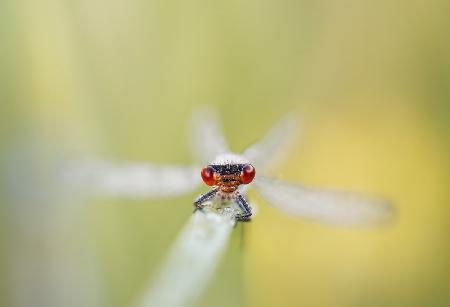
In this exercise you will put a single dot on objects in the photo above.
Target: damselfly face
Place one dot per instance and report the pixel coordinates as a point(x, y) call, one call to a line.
point(228, 174)
point(228, 177)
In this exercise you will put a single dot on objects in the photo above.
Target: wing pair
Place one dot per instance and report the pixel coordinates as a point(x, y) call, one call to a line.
point(208, 141)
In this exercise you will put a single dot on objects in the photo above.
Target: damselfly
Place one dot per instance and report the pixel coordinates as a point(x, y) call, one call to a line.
point(230, 174)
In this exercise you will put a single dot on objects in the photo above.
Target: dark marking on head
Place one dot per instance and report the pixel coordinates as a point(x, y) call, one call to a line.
point(228, 169)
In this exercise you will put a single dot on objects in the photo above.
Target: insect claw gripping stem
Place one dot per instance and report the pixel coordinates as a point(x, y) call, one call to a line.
point(240, 200)
point(204, 197)
point(245, 207)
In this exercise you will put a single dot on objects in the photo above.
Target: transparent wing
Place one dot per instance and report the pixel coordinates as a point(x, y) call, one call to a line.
point(329, 206)
point(207, 139)
point(274, 145)
point(121, 179)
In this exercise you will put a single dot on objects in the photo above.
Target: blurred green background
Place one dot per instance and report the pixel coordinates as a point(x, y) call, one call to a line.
point(118, 79)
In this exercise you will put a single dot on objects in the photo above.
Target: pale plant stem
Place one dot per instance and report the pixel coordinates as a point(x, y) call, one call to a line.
point(191, 261)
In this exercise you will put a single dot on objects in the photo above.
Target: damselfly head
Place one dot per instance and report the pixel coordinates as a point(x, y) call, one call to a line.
point(228, 176)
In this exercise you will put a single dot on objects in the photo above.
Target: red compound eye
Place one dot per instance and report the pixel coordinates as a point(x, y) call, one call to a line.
point(247, 174)
point(208, 175)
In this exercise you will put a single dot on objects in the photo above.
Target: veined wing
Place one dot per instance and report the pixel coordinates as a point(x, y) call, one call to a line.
point(329, 206)
point(274, 145)
point(207, 137)
point(105, 178)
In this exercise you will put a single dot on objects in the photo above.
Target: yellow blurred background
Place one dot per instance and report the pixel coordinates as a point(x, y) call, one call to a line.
point(118, 79)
